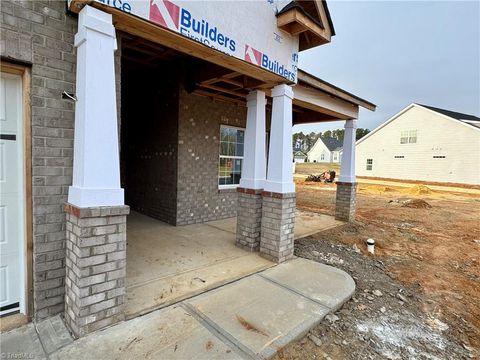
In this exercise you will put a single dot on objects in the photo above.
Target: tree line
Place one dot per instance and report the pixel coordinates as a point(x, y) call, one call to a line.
point(305, 142)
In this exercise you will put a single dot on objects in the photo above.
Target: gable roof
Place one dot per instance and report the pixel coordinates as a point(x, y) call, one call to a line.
point(308, 8)
point(331, 143)
point(309, 19)
point(453, 114)
point(474, 122)
point(299, 153)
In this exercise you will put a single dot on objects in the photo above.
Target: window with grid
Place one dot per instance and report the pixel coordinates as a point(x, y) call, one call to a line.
point(231, 156)
point(412, 137)
point(408, 137)
point(369, 164)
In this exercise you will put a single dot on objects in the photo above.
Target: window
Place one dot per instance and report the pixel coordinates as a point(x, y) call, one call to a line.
point(412, 137)
point(335, 157)
point(369, 164)
point(408, 137)
point(231, 156)
point(322, 157)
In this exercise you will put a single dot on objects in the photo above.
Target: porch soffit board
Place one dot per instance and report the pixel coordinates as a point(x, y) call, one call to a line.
point(135, 25)
point(316, 83)
point(324, 103)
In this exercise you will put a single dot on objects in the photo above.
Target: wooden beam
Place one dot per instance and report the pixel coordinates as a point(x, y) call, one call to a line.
point(231, 82)
point(219, 96)
point(310, 117)
point(323, 103)
point(296, 21)
point(222, 90)
point(333, 90)
point(150, 31)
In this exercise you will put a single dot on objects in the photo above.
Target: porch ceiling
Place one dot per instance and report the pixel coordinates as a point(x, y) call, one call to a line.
point(314, 100)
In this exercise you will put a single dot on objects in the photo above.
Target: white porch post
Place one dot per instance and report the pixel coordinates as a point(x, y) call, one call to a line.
point(254, 163)
point(249, 210)
point(279, 175)
point(96, 214)
point(347, 167)
point(96, 165)
point(278, 207)
point(346, 197)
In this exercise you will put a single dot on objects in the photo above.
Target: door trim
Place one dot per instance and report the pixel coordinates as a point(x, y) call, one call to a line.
point(25, 73)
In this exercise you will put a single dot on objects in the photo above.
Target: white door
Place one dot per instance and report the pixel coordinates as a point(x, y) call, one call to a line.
point(11, 195)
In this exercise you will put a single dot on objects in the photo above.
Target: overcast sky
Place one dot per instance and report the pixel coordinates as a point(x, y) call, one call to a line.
point(395, 53)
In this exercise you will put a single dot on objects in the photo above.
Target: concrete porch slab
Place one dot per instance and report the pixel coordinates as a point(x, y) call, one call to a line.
point(306, 223)
point(166, 264)
point(249, 319)
point(258, 315)
point(170, 333)
point(22, 342)
point(53, 334)
point(333, 288)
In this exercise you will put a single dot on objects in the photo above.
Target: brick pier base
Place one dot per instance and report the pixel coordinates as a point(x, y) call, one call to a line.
point(278, 221)
point(95, 267)
point(346, 201)
point(249, 218)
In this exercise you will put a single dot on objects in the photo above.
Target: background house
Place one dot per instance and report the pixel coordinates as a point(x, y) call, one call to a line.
point(327, 149)
point(299, 156)
point(423, 143)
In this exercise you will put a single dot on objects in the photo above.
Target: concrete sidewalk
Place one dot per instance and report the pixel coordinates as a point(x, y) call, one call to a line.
point(251, 318)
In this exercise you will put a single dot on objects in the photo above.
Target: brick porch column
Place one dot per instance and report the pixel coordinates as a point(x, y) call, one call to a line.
point(346, 197)
point(278, 208)
point(249, 208)
point(96, 214)
point(95, 267)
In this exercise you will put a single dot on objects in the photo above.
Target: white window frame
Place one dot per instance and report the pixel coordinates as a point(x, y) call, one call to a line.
point(369, 164)
point(228, 186)
point(322, 157)
point(412, 135)
point(408, 137)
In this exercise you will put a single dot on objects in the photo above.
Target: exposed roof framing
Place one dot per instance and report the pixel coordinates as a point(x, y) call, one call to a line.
point(310, 20)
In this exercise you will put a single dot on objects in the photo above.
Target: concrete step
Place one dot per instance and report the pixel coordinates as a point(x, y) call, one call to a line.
point(251, 318)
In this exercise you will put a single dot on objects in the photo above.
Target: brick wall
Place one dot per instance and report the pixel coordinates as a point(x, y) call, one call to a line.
point(149, 140)
point(95, 267)
point(40, 33)
point(198, 196)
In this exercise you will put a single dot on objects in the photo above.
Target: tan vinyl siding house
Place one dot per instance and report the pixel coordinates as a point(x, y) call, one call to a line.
point(423, 143)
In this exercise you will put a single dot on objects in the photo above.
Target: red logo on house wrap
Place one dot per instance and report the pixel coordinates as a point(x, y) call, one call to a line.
point(252, 55)
point(165, 13)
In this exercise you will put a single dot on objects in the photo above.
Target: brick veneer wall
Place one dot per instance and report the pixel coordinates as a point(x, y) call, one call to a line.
point(40, 33)
point(149, 140)
point(198, 196)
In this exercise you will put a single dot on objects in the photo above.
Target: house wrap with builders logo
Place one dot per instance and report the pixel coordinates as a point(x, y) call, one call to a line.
point(275, 51)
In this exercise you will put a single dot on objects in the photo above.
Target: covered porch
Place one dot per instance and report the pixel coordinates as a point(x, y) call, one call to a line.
point(167, 264)
point(118, 268)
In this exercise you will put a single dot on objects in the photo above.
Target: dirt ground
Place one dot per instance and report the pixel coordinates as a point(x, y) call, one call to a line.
point(418, 297)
